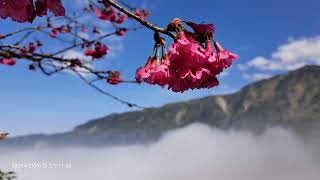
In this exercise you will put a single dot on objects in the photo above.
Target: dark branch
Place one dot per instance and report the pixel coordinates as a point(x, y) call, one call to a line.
point(142, 21)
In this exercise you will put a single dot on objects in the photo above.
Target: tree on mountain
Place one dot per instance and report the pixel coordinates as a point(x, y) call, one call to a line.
point(7, 175)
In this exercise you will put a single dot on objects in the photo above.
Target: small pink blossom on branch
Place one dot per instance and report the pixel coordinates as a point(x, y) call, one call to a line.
point(98, 51)
point(121, 31)
point(143, 14)
point(61, 29)
point(114, 78)
point(109, 14)
point(8, 61)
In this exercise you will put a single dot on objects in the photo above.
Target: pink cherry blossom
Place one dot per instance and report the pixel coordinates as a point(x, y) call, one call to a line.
point(183, 68)
point(99, 51)
point(137, 12)
point(109, 14)
point(185, 56)
point(191, 63)
point(121, 32)
point(8, 61)
point(158, 73)
point(174, 22)
point(55, 6)
point(188, 65)
point(32, 47)
point(174, 25)
point(53, 33)
point(75, 62)
point(224, 56)
point(141, 13)
point(121, 18)
point(114, 78)
point(24, 10)
point(63, 29)
point(154, 72)
point(106, 15)
point(83, 29)
point(19, 10)
point(201, 28)
point(143, 73)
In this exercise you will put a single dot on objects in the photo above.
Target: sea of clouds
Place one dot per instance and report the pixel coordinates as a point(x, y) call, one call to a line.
point(196, 152)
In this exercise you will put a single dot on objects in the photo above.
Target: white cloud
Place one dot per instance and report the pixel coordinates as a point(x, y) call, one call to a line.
point(292, 55)
point(115, 44)
point(73, 54)
point(256, 76)
point(242, 67)
point(224, 74)
point(196, 152)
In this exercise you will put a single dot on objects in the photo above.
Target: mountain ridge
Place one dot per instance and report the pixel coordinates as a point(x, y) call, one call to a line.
point(290, 100)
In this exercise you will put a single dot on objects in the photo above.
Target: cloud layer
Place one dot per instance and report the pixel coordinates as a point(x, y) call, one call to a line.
point(292, 55)
point(256, 76)
point(193, 153)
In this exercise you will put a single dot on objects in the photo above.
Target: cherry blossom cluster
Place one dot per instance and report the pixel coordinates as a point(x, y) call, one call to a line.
point(98, 52)
point(8, 61)
point(31, 47)
point(93, 48)
point(156, 69)
point(191, 63)
point(114, 77)
point(107, 13)
point(59, 30)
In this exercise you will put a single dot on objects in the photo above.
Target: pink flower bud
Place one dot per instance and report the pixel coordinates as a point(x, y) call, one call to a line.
point(8, 61)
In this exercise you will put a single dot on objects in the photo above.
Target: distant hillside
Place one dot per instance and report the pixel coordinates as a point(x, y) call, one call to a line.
point(291, 100)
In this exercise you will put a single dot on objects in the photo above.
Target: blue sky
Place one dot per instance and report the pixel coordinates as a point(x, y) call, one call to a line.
point(270, 37)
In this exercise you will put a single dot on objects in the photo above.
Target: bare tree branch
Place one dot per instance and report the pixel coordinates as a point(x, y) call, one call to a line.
point(142, 21)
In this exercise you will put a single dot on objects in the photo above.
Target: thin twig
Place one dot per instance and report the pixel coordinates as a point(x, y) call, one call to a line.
point(141, 21)
point(129, 104)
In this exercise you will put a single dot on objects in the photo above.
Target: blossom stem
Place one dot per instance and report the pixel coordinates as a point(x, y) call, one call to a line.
point(153, 51)
point(163, 51)
point(140, 20)
point(158, 53)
